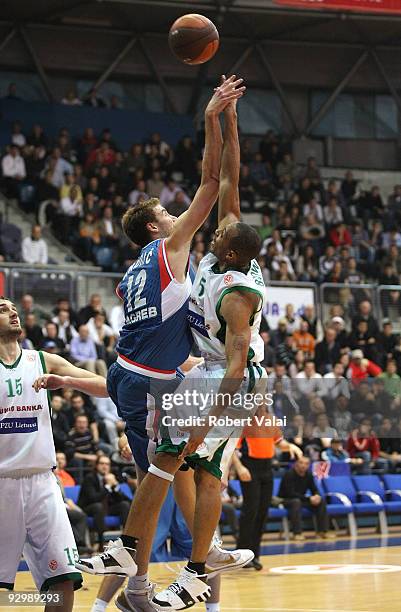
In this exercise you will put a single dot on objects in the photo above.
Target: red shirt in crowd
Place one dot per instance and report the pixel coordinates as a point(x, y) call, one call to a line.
point(340, 238)
point(357, 372)
point(357, 445)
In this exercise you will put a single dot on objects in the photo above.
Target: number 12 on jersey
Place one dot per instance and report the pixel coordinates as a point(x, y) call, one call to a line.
point(136, 285)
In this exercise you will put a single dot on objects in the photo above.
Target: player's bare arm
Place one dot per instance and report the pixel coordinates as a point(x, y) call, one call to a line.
point(237, 309)
point(229, 200)
point(63, 374)
point(178, 244)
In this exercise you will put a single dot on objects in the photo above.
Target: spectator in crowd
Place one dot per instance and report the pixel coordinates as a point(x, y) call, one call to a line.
point(14, 172)
point(34, 247)
point(80, 448)
point(392, 380)
point(50, 334)
point(363, 443)
point(95, 306)
point(309, 382)
point(323, 431)
point(327, 352)
point(107, 412)
point(361, 368)
point(33, 330)
point(390, 446)
point(342, 418)
point(303, 340)
point(17, 137)
point(169, 192)
point(335, 453)
point(83, 352)
point(71, 98)
point(93, 99)
point(61, 473)
point(60, 425)
point(28, 306)
point(100, 496)
point(294, 486)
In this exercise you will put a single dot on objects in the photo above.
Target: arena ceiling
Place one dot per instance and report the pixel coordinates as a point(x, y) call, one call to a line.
point(274, 46)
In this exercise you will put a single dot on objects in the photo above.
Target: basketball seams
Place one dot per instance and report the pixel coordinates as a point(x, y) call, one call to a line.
point(210, 30)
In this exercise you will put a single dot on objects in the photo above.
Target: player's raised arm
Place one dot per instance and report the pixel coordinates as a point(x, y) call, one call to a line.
point(178, 244)
point(62, 374)
point(229, 201)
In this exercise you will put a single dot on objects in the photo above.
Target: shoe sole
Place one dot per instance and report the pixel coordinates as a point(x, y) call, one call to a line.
point(232, 567)
point(126, 607)
point(88, 570)
point(120, 606)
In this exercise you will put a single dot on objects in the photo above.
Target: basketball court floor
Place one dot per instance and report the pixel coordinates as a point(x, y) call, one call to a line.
point(362, 575)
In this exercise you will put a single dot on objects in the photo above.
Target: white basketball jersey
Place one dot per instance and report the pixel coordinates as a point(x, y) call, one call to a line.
point(26, 439)
point(209, 288)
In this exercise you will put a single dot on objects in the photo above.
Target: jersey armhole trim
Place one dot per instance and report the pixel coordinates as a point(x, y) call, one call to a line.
point(118, 292)
point(43, 362)
point(238, 288)
point(165, 259)
point(44, 368)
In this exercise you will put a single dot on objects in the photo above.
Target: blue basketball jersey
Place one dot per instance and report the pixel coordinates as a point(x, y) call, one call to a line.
point(156, 337)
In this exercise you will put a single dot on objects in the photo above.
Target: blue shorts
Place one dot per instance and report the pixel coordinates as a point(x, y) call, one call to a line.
point(131, 394)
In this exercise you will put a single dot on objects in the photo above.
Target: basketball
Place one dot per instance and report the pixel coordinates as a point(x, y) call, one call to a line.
point(193, 39)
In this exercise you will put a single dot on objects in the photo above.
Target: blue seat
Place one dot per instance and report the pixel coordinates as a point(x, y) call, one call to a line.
point(236, 487)
point(342, 490)
point(126, 489)
point(110, 521)
point(72, 492)
point(392, 485)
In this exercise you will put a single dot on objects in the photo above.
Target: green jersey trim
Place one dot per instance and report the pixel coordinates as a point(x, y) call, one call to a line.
point(11, 366)
point(44, 368)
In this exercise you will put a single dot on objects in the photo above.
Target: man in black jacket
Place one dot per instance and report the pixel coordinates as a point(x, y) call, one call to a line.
point(327, 352)
point(298, 490)
point(100, 496)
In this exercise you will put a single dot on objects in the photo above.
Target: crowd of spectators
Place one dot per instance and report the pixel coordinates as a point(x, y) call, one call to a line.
point(312, 230)
point(339, 388)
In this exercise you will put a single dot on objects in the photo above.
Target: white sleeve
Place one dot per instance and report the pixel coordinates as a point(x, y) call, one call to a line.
point(43, 257)
point(26, 249)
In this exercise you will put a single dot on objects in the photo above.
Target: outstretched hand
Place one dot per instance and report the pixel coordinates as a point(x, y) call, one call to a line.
point(51, 382)
point(230, 89)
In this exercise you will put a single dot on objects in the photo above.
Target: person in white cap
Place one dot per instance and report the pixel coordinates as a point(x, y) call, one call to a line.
point(361, 368)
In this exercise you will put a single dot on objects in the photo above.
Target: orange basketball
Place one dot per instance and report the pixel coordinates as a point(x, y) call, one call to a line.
point(194, 39)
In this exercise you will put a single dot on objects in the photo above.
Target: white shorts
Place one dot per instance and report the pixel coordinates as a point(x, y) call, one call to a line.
point(34, 521)
point(221, 441)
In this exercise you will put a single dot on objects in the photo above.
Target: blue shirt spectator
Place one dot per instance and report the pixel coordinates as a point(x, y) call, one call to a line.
point(83, 347)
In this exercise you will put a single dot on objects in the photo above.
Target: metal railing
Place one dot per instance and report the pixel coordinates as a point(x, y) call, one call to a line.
point(77, 283)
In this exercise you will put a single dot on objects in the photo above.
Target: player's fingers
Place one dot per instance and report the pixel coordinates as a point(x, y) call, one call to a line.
point(230, 79)
point(237, 83)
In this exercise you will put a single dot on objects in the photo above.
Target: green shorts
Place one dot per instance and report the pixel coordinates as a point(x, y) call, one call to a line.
point(213, 466)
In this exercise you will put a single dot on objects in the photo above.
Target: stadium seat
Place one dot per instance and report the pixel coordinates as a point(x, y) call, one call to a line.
point(342, 490)
point(338, 509)
point(72, 493)
point(126, 489)
point(392, 489)
point(110, 521)
point(373, 484)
